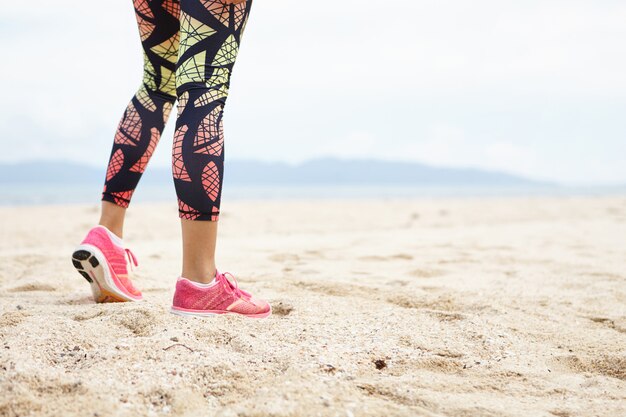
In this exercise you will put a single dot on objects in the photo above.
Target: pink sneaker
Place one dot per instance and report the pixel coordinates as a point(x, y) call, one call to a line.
point(220, 297)
point(105, 263)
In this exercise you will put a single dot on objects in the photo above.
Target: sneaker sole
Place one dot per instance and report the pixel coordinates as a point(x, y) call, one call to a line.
point(90, 263)
point(212, 313)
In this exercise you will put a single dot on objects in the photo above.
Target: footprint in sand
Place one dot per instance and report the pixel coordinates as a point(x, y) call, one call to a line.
point(378, 258)
point(448, 354)
point(322, 288)
point(221, 337)
point(611, 366)
point(27, 260)
point(397, 397)
point(284, 257)
point(142, 322)
point(447, 316)
point(342, 290)
point(398, 283)
point(281, 308)
point(33, 286)
point(457, 260)
point(442, 303)
point(314, 253)
point(84, 300)
point(561, 413)
point(442, 308)
point(427, 273)
point(294, 258)
point(441, 364)
point(619, 325)
point(375, 258)
point(88, 315)
point(12, 318)
point(53, 387)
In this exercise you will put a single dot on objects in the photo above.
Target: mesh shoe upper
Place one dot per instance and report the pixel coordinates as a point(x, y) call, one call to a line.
point(224, 296)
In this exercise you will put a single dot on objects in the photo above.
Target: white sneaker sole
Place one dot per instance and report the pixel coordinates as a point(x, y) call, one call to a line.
point(91, 263)
point(184, 313)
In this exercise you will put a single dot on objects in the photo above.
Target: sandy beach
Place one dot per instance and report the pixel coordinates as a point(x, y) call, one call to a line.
point(467, 307)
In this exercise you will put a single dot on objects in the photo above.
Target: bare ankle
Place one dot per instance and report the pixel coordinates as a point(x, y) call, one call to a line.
point(112, 217)
point(117, 230)
point(203, 276)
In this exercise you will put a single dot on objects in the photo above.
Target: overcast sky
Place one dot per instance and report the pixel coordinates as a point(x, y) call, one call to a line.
point(534, 87)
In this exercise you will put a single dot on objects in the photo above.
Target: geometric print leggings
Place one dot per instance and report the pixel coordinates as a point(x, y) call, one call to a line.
point(189, 49)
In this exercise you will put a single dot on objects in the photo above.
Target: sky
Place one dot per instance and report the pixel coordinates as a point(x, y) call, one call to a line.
point(535, 88)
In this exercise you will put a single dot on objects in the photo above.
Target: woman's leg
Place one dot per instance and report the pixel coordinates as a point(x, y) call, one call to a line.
point(144, 119)
point(210, 33)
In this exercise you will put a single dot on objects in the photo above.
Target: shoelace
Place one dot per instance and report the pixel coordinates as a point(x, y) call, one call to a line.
point(235, 287)
point(132, 258)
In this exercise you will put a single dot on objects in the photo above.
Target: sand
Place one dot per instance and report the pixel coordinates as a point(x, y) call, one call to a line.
point(468, 307)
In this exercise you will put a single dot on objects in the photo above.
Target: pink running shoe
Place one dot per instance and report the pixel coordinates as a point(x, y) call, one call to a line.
point(220, 297)
point(106, 265)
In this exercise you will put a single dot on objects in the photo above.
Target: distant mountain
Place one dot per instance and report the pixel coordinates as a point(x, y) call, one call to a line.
point(364, 171)
point(321, 171)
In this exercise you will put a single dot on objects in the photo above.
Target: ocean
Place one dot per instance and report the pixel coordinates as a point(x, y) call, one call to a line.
point(37, 194)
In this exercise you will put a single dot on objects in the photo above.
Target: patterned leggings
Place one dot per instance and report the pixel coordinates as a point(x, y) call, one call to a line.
point(190, 47)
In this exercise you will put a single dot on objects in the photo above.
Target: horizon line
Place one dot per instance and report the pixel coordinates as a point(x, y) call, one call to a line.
point(544, 181)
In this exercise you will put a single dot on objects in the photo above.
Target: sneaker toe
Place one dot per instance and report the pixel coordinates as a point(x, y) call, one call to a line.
point(261, 306)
